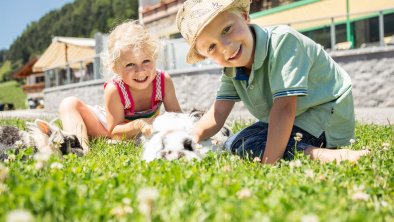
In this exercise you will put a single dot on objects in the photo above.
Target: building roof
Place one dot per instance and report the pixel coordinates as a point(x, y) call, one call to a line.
point(301, 15)
point(26, 69)
point(64, 50)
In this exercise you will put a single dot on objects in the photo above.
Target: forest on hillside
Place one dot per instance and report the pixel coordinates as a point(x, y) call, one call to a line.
point(81, 18)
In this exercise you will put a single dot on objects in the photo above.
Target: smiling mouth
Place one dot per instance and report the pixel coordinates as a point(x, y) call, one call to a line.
point(236, 54)
point(141, 79)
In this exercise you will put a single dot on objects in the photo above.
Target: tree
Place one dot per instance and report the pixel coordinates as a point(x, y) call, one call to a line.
point(82, 18)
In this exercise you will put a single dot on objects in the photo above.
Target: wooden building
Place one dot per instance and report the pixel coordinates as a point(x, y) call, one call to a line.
point(328, 22)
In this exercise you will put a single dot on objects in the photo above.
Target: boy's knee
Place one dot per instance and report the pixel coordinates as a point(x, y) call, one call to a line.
point(70, 103)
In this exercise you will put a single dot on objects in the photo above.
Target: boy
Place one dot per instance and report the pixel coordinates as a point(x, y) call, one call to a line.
point(302, 98)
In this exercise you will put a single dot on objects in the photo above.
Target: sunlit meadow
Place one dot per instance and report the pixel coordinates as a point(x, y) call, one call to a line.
point(112, 183)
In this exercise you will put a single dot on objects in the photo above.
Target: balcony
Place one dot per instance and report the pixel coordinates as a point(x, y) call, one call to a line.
point(160, 10)
point(33, 88)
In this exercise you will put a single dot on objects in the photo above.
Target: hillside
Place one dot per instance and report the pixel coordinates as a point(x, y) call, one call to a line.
point(11, 92)
point(5, 68)
point(82, 18)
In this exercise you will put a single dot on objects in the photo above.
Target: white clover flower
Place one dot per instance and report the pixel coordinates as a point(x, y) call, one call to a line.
point(384, 203)
point(309, 173)
point(298, 137)
point(310, 218)
point(322, 177)
point(19, 143)
point(56, 166)
point(360, 196)
point(244, 193)
point(20, 216)
point(226, 168)
point(3, 188)
point(145, 208)
point(148, 194)
point(112, 174)
point(295, 164)
point(227, 182)
point(352, 141)
point(386, 146)
point(147, 197)
point(126, 201)
point(257, 159)
point(121, 211)
point(234, 158)
point(3, 172)
point(83, 189)
point(39, 165)
point(11, 157)
point(42, 157)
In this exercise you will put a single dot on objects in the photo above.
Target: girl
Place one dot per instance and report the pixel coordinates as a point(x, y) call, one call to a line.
point(133, 96)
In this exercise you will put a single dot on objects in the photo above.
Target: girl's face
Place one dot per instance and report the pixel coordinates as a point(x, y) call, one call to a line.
point(228, 40)
point(136, 68)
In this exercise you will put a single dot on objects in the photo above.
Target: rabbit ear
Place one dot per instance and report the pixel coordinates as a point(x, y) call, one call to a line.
point(43, 126)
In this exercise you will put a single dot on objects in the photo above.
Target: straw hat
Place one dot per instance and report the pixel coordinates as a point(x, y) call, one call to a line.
point(194, 15)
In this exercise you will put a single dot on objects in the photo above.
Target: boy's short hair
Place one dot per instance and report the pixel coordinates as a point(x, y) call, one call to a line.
point(194, 15)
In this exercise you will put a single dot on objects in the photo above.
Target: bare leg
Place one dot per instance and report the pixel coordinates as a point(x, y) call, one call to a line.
point(78, 118)
point(328, 155)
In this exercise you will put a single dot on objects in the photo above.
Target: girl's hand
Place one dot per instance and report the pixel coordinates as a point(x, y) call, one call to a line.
point(147, 130)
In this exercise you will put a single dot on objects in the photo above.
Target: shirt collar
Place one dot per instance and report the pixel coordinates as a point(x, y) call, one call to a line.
point(260, 53)
point(240, 74)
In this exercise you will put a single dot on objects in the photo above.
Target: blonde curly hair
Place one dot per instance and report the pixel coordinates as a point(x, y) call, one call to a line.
point(129, 34)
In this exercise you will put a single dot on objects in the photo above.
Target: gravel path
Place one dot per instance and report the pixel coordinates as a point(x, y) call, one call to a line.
point(375, 115)
point(382, 116)
point(28, 114)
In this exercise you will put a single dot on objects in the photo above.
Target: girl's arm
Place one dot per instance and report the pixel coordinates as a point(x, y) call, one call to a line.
point(213, 120)
point(170, 101)
point(281, 122)
point(115, 116)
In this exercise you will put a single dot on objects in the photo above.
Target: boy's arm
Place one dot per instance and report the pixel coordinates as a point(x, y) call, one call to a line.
point(213, 120)
point(281, 122)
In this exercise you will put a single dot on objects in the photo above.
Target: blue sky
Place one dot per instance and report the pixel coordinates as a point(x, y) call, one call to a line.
point(15, 15)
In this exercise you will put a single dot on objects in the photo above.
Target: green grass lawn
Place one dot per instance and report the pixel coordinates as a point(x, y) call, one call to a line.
point(11, 92)
point(111, 183)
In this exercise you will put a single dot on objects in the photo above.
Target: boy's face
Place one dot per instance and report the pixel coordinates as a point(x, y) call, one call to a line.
point(136, 68)
point(228, 40)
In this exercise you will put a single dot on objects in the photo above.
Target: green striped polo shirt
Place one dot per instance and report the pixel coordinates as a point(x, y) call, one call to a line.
point(287, 63)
